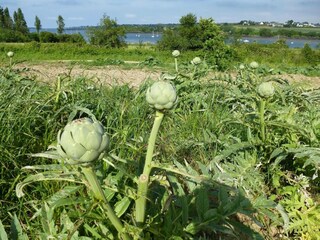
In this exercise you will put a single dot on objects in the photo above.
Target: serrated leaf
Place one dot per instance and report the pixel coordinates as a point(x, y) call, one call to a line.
point(48, 167)
point(181, 197)
point(122, 206)
point(232, 150)
point(192, 228)
point(16, 230)
point(202, 202)
point(246, 230)
point(45, 176)
point(93, 231)
point(3, 234)
point(52, 154)
point(62, 194)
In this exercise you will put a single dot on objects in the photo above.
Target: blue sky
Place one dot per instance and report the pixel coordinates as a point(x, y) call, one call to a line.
point(89, 12)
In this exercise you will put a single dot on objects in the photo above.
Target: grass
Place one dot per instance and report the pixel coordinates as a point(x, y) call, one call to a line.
point(275, 56)
point(214, 175)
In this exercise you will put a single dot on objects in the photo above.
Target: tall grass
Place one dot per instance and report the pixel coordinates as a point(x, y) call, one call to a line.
point(215, 176)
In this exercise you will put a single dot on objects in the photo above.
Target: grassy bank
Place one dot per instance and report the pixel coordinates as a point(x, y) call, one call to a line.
point(273, 55)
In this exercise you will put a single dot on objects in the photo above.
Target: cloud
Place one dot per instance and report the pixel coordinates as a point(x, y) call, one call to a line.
point(70, 2)
point(75, 18)
point(130, 15)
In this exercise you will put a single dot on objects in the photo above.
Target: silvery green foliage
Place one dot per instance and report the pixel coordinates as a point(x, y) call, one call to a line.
point(82, 141)
point(161, 95)
point(265, 89)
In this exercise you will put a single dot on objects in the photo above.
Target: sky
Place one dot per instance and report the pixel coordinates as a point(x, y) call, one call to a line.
point(89, 12)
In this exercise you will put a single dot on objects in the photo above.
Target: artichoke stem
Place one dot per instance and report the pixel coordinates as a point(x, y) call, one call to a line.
point(262, 122)
point(141, 200)
point(99, 195)
point(176, 64)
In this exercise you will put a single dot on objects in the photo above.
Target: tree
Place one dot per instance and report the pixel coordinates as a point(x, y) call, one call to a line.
point(289, 23)
point(61, 25)
point(8, 23)
point(108, 34)
point(1, 17)
point(37, 24)
point(189, 32)
point(20, 23)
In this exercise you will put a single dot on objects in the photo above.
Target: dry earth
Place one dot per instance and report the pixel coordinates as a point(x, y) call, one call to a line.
point(48, 72)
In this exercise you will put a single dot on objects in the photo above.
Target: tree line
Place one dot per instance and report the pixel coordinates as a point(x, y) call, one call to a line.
point(15, 29)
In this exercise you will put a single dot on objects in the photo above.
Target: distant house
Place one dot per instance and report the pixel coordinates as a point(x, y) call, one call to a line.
point(275, 24)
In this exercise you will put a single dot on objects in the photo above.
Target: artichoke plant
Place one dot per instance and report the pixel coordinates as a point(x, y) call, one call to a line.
point(254, 65)
point(176, 53)
point(82, 141)
point(10, 54)
point(161, 95)
point(196, 61)
point(265, 90)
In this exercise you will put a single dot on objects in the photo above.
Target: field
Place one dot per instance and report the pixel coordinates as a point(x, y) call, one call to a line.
point(206, 155)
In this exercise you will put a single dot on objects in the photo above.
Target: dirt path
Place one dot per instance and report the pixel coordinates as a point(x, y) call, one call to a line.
point(49, 71)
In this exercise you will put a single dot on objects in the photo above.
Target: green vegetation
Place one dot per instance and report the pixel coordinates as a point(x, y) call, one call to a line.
point(268, 31)
point(277, 56)
point(108, 34)
point(231, 157)
point(61, 25)
point(211, 150)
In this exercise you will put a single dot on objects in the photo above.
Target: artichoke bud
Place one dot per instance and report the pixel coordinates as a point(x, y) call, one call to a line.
point(176, 53)
point(196, 61)
point(82, 141)
point(254, 65)
point(10, 54)
point(265, 90)
point(161, 95)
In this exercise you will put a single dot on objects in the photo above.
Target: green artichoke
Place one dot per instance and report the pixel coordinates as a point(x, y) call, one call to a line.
point(265, 89)
point(82, 141)
point(10, 54)
point(196, 61)
point(161, 95)
point(176, 53)
point(254, 65)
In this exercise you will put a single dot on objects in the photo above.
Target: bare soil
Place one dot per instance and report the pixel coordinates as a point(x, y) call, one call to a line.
point(49, 71)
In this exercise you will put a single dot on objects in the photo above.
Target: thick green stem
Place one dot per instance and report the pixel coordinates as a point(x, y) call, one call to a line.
point(262, 122)
point(176, 64)
point(99, 195)
point(141, 200)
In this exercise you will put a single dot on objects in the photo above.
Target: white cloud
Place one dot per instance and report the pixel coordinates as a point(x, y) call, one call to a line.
point(75, 18)
point(130, 15)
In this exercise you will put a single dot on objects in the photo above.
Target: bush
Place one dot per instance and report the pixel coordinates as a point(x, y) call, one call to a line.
point(12, 36)
point(48, 37)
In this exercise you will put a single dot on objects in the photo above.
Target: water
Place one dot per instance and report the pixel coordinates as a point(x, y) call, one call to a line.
point(153, 38)
point(291, 42)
